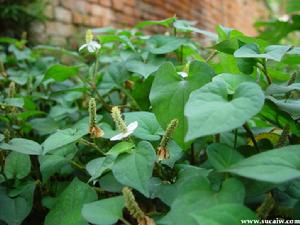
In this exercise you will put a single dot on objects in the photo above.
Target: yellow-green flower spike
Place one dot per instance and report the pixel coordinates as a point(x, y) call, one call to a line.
point(162, 150)
point(117, 118)
point(95, 131)
point(89, 36)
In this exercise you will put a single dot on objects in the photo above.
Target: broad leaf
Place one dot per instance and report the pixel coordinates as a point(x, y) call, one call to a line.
point(60, 72)
point(213, 109)
point(22, 145)
point(276, 166)
point(221, 156)
point(144, 69)
point(135, 169)
point(165, 23)
point(148, 129)
point(224, 214)
point(196, 196)
point(62, 138)
point(164, 44)
point(104, 212)
point(17, 165)
point(67, 208)
point(170, 92)
point(13, 210)
point(120, 148)
point(274, 52)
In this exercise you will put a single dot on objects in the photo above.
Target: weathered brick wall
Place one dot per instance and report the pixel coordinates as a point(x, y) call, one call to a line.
point(68, 18)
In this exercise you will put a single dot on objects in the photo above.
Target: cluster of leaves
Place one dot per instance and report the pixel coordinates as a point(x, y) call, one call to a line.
point(17, 15)
point(230, 152)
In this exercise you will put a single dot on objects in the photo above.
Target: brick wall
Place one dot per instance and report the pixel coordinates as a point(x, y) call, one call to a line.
point(67, 19)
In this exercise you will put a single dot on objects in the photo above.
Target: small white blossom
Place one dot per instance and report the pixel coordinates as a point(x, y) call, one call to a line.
point(130, 129)
point(182, 74)
point(91, 46)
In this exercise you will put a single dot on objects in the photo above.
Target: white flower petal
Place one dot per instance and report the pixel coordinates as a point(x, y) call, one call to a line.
point(82, 47)
point(118, 137)
point(182, 74)
point(91, 48)
point(132, 126)
point(95, 44)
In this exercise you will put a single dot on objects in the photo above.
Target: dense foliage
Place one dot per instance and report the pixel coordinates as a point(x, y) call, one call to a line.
point(16, 16)
point(150, 129)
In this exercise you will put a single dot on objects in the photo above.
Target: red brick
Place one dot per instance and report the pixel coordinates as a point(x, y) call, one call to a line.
point(95, 21)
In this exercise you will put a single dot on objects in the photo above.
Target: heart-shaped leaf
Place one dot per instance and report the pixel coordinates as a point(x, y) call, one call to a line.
point(67, 208)
point(276, 166)
point(104, 212)
point(221, 156)
point(135, 169)
point(17, 165)
point(224, 214)
point(170, 92)
point(274, 52)
point(196, 196)
point(144, 69)
point(212, 109)
point(60, 72)
point(62, 138)
point(22, 145)
point(148, 129)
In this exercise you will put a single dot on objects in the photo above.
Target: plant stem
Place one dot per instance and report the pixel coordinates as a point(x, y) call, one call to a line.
point(77, 165)
point(127, 93)
point(98, 95)
point(251, 135)
point(125, 221)
point(192, 154)
point(95, 69)
point(87, 143)
point(211, 56)
point(235, 138)
point(265, 71)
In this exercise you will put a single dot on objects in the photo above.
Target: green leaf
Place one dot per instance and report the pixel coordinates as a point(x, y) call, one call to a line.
point(274, 52)
point(104, 212)
point(62, 138)
point(220, 156)
point(22, 145)
point(44, 125)
point(160, 44)
point(211, 109)
point(275, 166)
point(275, 89)
point(224, 214)
point(170, 92)
point(13, 210)
point(165, 23)
point(17, 165)
point(196, 196)
point(67, 208)
point(232, 80)
point(290, 106)
point(144, 69)
point(187, 26)
point(60, 72)
point(274, 115)
point(120, 148)
point(15, 102)
point(100, 165)
point(148, 128)
point(135, 169)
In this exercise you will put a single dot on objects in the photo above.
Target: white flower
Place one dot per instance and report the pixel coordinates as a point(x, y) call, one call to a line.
point(91, 46)
point(130, 128)
point(182, 74)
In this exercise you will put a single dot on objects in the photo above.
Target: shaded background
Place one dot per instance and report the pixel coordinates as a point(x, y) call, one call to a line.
point(63, 22)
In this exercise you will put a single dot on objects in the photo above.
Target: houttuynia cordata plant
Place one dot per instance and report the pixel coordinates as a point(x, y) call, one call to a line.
point(150, 129)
